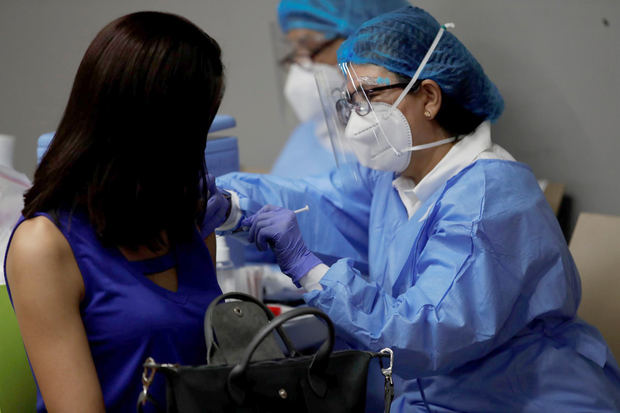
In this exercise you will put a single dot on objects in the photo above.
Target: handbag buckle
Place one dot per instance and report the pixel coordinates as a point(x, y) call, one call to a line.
point(387, 372)
point(150, 367)
point(388, 387)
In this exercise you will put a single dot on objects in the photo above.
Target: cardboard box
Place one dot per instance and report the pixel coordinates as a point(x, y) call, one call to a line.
point(554, 192)
point(595, 246)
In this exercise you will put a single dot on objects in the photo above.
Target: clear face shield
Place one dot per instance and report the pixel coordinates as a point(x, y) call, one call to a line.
point(375, 134)
point(330, 94)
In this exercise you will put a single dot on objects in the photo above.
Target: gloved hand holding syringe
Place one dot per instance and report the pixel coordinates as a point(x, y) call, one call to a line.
point(276, 228)
point(245, 228)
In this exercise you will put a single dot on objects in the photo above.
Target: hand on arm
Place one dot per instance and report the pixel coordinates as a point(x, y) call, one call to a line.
point(218, 208)
point(46, 287)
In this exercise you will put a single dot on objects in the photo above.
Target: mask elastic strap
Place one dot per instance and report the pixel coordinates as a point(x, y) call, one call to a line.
point(421, 66)
point(429, 145)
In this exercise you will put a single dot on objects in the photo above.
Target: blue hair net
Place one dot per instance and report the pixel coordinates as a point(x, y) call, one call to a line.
point(398, 42)
point(332, 17)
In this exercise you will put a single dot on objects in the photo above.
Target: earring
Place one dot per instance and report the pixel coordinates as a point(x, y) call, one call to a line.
point(427, 114)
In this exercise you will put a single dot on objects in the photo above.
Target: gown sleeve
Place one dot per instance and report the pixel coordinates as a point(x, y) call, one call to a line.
point(336, 224)
point(487, 265)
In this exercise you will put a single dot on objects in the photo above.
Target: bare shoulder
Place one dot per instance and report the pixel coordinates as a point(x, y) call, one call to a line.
point(38, 242)
point(40, 256)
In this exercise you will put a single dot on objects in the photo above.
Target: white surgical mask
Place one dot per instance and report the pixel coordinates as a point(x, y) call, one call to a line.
point(301, 91)
point(366, 137)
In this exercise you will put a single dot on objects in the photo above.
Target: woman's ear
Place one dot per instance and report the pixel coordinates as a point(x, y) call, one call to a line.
point(431, 93)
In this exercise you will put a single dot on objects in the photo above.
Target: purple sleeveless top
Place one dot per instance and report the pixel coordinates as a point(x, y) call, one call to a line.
point(129, 318)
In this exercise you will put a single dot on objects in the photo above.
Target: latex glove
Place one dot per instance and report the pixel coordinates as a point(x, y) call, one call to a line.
point(218, 207)
point(277, 227)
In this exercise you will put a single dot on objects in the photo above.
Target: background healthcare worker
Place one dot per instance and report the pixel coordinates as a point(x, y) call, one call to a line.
point(470, 281)
point(314, 30)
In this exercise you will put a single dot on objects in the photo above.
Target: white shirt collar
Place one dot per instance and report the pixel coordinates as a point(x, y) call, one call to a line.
point(463, 153)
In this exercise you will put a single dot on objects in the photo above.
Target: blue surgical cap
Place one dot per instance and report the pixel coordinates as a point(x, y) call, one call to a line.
point(398, 42)
point(332, 17)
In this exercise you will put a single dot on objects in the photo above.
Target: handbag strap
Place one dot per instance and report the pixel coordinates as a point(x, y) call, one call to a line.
point(317, 366)
point(388, 387)
point(210, 343)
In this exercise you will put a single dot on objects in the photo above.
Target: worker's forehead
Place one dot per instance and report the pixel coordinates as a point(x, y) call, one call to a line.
point(304, 37)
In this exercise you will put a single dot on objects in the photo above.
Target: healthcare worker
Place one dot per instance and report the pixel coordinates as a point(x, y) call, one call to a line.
point(470, 280)
point(314, 30)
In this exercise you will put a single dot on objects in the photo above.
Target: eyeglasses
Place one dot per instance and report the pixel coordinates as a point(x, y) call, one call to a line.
point(303, 56)
point(359, 100)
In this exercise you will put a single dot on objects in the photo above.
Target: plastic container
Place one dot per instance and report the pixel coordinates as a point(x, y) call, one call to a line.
point(7, 145)
point(222, 155)
point(224, 267)
point(230, 277)
point(42, 144)
point(13, 184)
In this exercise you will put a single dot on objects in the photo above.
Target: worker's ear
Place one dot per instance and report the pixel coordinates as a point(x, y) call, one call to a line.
point(430, 93)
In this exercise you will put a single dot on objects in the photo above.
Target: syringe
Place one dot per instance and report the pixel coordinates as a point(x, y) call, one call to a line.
point(306, 208)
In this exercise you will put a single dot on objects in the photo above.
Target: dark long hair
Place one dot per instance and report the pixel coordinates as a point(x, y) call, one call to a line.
point(129, 150)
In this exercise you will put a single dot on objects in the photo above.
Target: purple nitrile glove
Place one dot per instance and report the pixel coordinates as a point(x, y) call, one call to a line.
point(277, 227)
point(218, 207)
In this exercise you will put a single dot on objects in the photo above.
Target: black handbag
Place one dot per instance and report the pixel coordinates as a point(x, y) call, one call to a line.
point(254, 375)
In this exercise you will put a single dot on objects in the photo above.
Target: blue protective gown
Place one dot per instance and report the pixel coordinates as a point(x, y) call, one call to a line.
point(476, 294)
point(303, 155)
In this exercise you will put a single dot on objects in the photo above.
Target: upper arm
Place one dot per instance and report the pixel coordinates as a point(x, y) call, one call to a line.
point(47, 287)
point(435, 323)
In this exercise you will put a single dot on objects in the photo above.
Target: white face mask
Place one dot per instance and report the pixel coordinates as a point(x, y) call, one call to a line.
point(301, 90)
point(366, 135)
